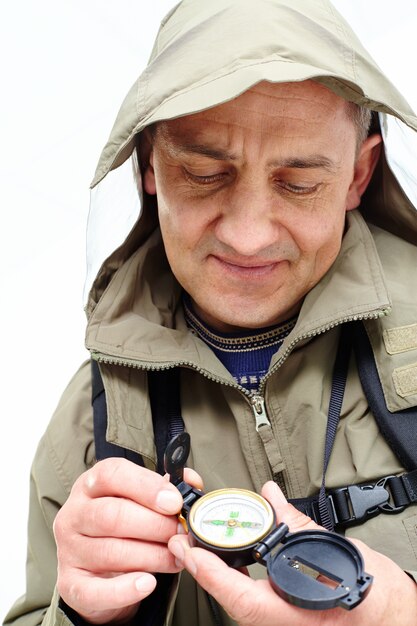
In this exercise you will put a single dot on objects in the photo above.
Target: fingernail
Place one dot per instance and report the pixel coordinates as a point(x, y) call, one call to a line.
point(180, 529)
point(90, 481)
point(177, 549)
point(145, 584)
point(183, 558)
point(168, 501)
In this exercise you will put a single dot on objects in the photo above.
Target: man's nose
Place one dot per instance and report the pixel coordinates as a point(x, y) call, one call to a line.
point(249, 220)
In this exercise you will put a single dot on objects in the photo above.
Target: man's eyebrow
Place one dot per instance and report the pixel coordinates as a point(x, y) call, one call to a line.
point(309, 162)
point(204, 150)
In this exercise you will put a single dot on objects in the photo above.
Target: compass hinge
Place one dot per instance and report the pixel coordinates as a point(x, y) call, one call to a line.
point(269, 542)
point(189, 495)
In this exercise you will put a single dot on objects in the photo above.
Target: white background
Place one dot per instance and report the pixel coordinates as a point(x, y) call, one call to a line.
point(65, 67)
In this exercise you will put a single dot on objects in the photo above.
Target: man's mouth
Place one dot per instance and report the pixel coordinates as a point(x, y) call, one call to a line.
point(246, 268)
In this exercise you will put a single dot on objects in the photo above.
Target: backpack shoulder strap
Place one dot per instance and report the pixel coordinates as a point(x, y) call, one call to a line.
point(105, 449)
point(399, 428)
point(164, 397)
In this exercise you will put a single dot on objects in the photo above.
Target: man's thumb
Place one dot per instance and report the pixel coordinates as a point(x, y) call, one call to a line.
point(285, 511)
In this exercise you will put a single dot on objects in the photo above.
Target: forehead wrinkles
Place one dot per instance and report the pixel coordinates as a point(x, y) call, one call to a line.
point(288, 114)
point(258, 112)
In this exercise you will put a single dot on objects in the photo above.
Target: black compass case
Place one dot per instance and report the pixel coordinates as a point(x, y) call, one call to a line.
point(318, 570)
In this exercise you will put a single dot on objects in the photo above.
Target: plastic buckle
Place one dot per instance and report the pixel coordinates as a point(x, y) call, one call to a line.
point(387, 507)
point(367, 500)
point(363, 501)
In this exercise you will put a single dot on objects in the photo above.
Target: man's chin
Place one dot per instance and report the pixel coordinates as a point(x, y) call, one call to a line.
point(239, 318)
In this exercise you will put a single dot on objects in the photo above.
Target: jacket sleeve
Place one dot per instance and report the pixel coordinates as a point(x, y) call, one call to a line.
point(56, 466)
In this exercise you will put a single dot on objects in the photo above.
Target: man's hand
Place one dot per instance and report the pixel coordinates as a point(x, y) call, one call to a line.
point(111, 534)
point(391, 601)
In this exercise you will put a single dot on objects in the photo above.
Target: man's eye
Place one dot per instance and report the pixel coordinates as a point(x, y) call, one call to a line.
point(300, 189)
point(205, 180)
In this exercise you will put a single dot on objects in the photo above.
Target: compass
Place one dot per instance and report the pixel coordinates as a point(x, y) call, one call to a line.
point(231, 522)
point(313, 569)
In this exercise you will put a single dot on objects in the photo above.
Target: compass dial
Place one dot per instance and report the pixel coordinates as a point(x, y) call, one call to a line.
point(231, 518)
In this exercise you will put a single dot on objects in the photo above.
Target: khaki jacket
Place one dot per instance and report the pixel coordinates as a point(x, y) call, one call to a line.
point(370, 281)
point(136, 323)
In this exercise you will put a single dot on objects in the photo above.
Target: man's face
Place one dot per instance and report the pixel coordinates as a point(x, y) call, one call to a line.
point(252, 196)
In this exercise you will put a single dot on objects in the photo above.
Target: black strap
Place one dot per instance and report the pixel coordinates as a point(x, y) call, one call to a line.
point(399, 428)
point(166, 414)
point(152, 610)
point(353, 504)
point(340, 372)
point(350, 505)
point(165, 399)
point(105, 449)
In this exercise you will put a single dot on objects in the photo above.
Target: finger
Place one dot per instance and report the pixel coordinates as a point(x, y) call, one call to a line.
point(120, 555)
point(89, 594)
point(192, 478)
point(285, 511)
point(122, 478)
point(119, 517)
point(249, 602)
point(244, 599)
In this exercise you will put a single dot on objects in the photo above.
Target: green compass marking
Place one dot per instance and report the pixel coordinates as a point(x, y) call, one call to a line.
point(222, 522)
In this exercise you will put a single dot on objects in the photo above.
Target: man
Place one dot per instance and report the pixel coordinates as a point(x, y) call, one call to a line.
point(258, 169)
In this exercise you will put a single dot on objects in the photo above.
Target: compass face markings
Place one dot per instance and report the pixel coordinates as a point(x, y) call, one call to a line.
point(231, 518)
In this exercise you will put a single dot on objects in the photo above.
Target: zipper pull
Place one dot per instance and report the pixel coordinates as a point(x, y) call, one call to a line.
point(259, 411)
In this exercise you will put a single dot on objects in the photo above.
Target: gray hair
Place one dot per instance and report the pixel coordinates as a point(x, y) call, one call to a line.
point(361, 118)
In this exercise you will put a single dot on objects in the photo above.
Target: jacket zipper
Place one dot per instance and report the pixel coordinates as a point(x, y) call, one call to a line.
point(258, 407)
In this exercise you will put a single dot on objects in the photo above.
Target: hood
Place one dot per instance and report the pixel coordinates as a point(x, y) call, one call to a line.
point(208, 53)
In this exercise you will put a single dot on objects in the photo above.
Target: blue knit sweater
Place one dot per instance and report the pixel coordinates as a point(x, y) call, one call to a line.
point(246, 354)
